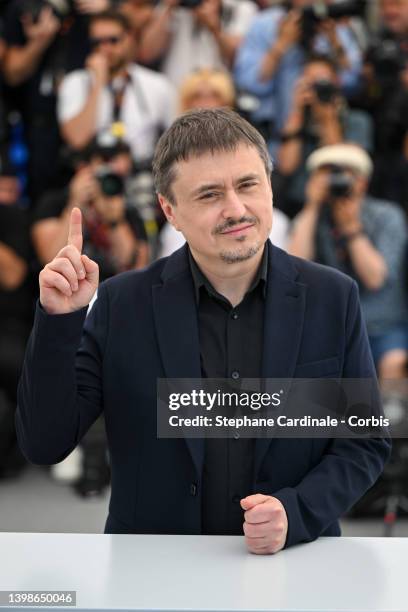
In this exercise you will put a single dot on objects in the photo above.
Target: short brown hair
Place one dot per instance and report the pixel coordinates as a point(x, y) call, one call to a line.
point(320, 58)
point(111, 15)
point(198, 132)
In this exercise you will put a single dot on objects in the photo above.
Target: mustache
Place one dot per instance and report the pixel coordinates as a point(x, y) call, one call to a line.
point(229, 223)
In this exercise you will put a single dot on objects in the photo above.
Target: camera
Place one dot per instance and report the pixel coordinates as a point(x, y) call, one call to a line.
point(60, 8)
point(190, 4)
point(387, 59)
point(111, 184)
point(340, 184)
point(317, 12)
point(325, 90)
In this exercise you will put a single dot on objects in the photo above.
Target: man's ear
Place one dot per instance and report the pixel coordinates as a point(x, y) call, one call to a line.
point(168, 210)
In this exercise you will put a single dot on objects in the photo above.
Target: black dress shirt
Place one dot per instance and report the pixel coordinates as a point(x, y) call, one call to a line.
point(231, 343)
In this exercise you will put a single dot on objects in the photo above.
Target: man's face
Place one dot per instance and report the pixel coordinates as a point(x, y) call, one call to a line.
point(223, 204)
point(394, 15)
point(111, 40)
point(319, 71)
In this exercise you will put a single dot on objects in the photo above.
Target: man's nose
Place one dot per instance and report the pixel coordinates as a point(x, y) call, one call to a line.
point(234, 206)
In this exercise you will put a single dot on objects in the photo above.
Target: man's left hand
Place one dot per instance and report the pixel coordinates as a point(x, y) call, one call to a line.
point(266, 524)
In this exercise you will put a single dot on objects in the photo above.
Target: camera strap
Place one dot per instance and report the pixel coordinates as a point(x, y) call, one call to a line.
point(118, 93)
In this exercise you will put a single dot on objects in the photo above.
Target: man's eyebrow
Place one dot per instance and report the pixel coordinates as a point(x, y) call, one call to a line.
point(248, 177)
point(206, 187)
point(209, 186)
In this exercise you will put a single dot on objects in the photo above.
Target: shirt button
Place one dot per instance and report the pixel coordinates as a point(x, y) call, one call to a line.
point(193, 489)
point(235, 374)
point(236, 499)
point(235, 316)
point(236, 435)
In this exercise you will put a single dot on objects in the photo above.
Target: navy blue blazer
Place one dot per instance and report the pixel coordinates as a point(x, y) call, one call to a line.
point(144, 326)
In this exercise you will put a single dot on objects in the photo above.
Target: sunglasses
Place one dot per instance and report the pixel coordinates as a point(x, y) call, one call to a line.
point(111, 40)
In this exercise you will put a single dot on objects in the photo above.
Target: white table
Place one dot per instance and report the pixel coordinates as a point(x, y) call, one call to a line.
point(212, 573)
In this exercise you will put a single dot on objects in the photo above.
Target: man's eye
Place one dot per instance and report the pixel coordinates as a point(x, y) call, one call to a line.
point(247, 185)
point(209, 195)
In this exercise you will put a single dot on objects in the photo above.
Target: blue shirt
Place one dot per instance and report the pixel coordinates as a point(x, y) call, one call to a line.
point(275, 95)
point(385, 225)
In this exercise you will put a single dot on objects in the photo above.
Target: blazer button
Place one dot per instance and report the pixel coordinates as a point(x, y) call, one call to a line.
point(193, 489)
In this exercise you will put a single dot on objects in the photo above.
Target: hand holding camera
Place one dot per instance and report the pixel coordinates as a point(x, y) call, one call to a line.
point(103, 189)
point(290, 30)
point(331, 185)
point(109, 201)
point(303, 95)
point(42, 29)
point(83, 188)
point(316, 190)
point(207, 14)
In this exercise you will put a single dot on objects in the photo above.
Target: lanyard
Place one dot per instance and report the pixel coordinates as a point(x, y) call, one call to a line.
point(118, 94)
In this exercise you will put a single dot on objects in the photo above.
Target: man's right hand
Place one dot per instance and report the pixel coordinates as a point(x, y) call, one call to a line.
point(290, 29)
point(70, 280)
point(98, 65)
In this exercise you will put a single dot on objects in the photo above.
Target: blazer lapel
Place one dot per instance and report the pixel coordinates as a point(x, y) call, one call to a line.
point(176, 324)
point(283, 325)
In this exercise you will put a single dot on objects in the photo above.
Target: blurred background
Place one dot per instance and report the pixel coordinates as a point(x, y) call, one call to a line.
point(86, 89)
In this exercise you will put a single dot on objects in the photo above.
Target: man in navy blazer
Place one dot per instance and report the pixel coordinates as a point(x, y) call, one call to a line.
point(212, 174)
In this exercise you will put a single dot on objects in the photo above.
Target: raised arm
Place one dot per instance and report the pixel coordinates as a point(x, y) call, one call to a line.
point(60, 390)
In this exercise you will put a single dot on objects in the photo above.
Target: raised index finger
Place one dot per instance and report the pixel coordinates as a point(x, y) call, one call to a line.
point(75, 229)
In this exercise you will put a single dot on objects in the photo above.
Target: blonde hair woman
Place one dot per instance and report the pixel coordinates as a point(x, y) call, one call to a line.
point(207, 88)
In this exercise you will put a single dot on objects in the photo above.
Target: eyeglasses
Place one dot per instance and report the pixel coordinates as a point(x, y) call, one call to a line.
point(103, 40)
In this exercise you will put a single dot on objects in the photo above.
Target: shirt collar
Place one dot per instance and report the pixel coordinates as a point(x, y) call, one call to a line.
point(200, 280)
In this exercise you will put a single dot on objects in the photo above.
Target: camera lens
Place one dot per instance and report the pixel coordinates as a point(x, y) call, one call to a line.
point(340, 184)
point(325, 90)
point(111, 184)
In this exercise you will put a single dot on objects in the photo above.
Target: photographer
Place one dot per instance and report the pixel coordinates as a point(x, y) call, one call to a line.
point(342, 227)
point(112, 93)
point(385, 95)
point(16, 310)
point(191, 34)
point(319, 116)
point(271, 59)
point(114, 233)
point(45, 40)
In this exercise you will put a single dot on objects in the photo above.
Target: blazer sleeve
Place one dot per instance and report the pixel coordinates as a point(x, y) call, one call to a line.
point(348, 467)
point(60, 389)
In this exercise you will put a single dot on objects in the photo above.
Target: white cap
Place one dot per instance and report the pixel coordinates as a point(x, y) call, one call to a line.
point(347, 155)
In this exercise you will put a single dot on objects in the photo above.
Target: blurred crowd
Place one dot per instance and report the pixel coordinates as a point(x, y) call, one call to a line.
point(88, 86)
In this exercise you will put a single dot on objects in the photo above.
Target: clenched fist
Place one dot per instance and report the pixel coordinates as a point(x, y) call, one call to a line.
point(266, 524)
point(70, 280)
